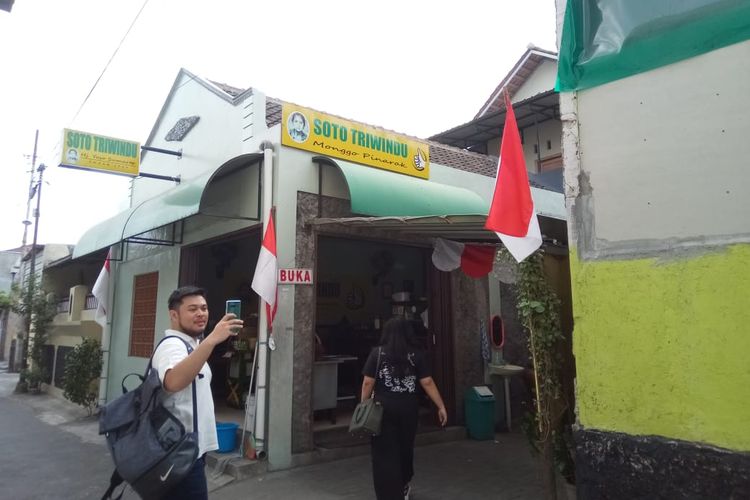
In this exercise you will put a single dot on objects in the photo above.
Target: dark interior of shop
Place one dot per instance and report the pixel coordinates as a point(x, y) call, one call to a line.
point(226, 270)
point(360, 285)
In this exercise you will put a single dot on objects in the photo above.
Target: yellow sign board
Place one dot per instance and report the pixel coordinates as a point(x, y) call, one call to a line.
point(100, 153)
point(328, 135)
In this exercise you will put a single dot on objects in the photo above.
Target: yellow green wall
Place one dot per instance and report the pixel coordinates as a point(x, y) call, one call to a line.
point(663, 348)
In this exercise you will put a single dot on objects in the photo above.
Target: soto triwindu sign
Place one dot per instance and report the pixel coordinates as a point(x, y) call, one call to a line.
point(100, 153)
point(307, 129)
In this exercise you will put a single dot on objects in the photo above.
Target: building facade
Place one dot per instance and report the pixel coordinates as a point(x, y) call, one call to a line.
point(365, 231)
point(656, 189)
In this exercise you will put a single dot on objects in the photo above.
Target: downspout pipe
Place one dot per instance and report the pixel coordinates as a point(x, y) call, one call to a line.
point(262, 387)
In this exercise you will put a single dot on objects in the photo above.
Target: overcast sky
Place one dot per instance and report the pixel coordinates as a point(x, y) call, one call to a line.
point(416, 67)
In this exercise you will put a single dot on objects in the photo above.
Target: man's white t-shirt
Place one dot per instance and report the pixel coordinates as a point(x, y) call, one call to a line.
point(167, 355)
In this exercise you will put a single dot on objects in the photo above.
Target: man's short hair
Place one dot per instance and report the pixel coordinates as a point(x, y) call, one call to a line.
point(175, 298)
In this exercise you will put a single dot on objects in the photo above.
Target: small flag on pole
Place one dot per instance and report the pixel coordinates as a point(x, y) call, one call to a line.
point(101, 292)
point(512, 215)
point(264, 280)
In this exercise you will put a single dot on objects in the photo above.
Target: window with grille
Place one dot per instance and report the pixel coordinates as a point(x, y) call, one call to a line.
point(143, 321)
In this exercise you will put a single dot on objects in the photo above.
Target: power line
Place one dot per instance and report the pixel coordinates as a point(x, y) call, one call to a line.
point(104, 70)
point(106, 66)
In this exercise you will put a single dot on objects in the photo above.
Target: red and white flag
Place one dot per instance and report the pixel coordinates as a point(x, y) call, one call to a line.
point(101, 292)
point(512, 215)
point(264, 280)
point(474, 260)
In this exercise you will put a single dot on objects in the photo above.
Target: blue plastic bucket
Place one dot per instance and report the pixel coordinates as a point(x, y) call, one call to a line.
point(227, 433)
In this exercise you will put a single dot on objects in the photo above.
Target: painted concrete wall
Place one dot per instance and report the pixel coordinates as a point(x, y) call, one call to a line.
point(661, 346)
point(656, 186)
point(671, 146)
point(142, 260)
point(218, 126)
point(541, 80)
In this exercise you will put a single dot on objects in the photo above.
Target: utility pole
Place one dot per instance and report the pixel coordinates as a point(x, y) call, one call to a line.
point(32, 267)
point(26, 221)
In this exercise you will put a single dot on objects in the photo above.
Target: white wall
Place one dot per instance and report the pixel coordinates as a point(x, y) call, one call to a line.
point(142, 260)
point(213, 140)
point(653, 177)
point(541, 80)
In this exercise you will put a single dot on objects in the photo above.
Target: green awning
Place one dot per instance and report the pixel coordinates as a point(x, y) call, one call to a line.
point(388, 194)
point(171, 206)
point(104, 234)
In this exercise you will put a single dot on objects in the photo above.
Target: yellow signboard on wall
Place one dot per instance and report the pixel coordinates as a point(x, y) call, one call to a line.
point(328, 135)
point(97, 152)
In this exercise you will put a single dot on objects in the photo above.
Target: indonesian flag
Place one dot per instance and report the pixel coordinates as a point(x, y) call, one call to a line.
point(264, 281)
point(512, 215)
point(475, 260)
point(101, 292)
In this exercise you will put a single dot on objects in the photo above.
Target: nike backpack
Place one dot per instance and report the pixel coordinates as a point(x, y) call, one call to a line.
point(149, 445)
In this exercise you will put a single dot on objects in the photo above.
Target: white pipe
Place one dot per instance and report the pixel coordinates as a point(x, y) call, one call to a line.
point(261, 389)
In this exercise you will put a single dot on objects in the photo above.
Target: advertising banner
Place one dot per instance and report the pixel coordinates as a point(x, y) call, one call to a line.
point(97, 152)
point(329, 135)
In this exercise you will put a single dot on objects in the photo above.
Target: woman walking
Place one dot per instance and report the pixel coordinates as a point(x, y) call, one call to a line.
point(393, 370)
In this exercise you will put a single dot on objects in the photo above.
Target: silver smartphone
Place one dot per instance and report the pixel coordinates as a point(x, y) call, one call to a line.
point(234, 306)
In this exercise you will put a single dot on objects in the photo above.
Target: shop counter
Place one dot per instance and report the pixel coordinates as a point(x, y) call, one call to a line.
point(325, 381)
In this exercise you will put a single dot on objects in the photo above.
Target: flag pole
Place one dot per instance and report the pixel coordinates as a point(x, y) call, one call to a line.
point(261, 389)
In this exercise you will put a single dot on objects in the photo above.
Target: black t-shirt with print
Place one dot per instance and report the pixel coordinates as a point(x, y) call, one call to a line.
point(387, 383)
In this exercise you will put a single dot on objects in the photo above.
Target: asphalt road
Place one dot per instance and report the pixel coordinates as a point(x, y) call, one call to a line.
point(51, 450)
point(48, 453)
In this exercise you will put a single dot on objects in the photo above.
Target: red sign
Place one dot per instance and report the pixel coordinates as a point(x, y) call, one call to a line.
point(295, 277)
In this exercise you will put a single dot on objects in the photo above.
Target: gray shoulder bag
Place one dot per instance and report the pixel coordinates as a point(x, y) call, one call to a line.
point(368, 415)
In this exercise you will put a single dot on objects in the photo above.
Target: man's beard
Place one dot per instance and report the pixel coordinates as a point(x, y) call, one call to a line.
point(191, 330)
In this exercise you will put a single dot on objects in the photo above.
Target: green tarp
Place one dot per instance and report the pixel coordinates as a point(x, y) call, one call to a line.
point(605, 40)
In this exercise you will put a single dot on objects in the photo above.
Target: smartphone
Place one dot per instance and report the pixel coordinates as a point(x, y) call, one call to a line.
point(234, 306)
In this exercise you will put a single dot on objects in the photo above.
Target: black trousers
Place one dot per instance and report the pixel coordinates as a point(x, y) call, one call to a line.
point(193, 487)
point(393, 448)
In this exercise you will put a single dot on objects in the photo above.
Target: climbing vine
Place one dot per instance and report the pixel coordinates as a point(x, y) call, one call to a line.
point(539, 312)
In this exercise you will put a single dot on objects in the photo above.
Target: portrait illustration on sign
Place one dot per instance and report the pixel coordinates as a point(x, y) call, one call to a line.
point(298, 127)
point(72, 156)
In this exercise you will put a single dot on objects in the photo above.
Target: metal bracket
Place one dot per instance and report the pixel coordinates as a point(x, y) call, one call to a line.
point(160, 177)
point(178, 154)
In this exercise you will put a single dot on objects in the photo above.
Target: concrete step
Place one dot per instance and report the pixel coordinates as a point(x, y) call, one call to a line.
point(232, 464)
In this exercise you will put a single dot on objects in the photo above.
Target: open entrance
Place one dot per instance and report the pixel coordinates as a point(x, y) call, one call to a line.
point(360, 285)
point(224, 267)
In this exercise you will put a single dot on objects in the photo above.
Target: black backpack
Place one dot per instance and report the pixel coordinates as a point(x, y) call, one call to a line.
point(149, 445)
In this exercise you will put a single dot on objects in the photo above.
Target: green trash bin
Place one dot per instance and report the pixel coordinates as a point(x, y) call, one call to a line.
point(479, 407)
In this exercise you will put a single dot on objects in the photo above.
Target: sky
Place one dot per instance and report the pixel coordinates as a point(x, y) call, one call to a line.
point(415, 67)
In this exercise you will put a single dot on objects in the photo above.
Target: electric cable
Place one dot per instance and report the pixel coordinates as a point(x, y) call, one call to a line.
point(106, 66)
point(104, 70)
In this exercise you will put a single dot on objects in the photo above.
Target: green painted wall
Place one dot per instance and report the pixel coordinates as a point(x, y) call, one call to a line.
point(663, 348)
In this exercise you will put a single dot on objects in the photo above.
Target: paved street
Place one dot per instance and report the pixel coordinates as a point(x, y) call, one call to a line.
point(51, 450)
point(464, 470)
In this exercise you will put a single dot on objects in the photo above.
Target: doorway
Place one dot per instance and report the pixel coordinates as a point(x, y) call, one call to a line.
point(360, 285)
point(224, 267)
